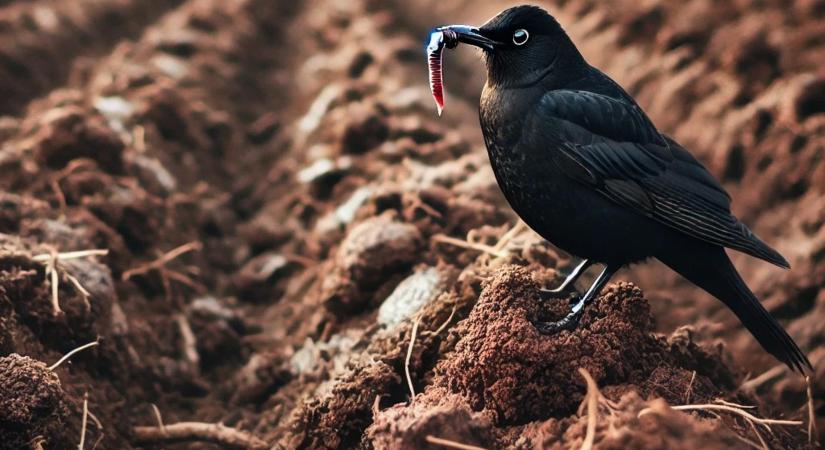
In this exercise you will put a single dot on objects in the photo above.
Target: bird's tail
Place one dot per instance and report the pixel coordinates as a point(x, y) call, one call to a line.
point(712, 270)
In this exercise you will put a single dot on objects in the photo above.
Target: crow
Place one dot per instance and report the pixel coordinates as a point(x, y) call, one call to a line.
point(581, 163)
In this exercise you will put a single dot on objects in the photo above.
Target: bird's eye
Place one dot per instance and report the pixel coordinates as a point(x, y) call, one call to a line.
point(520, 36)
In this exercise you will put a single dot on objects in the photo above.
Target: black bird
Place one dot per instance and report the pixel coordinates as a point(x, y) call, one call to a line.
point(583, 166)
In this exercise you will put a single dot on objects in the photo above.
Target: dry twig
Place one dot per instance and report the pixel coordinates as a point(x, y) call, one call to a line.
point(446, 323)
point(37, 443)
point(52, 261)
point(84, 421)
point(168, 275)
point(812, 432)
point(451, 444)
point(376, 407)
point(54, 181)
point(722, 401)
point(763, 445)
point(469, 245)
point(71, 353)
point(738, 411)
point(735, 409)
point(45, 257)
point(54, 281)
point(99, 429)
point(731, 409)
point(409, 356)
point(592, 400)
point(689, 389)
point(139, 138)
point(190, 344)
point(749, 442)
point(509, 235)
point(158, 417)
point(199, 431)
point(768, 375)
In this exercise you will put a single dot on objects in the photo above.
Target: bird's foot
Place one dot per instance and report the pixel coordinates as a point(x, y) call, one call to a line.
point(568, 322)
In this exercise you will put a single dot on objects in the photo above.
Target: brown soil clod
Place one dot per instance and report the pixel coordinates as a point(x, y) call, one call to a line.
point(31, 400)
point(503, 365)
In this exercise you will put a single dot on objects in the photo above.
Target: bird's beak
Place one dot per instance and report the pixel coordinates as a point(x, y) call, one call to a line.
point(453, 34)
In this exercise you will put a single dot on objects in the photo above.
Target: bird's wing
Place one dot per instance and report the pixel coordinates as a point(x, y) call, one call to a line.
point(611, 145)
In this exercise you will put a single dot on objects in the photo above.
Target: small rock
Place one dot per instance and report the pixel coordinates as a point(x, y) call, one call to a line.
point(372, 252)
point(261, 271)
point(324, 172)
point(116, 110)
point(410, 296)
point(171, 66)
point(154, 175)
point(345, 213)
point(377, 246)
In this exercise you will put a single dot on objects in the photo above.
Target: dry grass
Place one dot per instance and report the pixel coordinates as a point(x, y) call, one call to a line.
point(99, 429)
point(689, 389)
point(451, 444)
point(497, 251)
point(190, 343)
point(52, 260)
point(158, 417)
point(444, 239)
point(736, 410)
point(509, 235)
point(591, 399)
point(37, 443)
point(168, 275)
point(413, 335)
point(446, 323)
point(754, 383)
point(812, 432)
point(54, 180)
point(216, 433)
point(84, 421)
point(71, 353)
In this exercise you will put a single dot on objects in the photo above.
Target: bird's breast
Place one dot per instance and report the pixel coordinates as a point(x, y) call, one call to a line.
point(503, 115)
point(528, 177)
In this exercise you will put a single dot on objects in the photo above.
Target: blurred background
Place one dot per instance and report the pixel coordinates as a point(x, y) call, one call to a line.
point(254, 208)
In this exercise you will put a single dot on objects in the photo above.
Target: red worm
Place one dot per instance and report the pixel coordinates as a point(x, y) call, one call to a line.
point(434, 60)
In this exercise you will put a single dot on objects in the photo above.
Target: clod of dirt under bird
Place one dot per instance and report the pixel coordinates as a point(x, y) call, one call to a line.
point(239, 224)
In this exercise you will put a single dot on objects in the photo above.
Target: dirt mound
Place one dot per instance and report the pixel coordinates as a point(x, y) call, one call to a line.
point(31, 401)
point(504, 365)
point(504, 382)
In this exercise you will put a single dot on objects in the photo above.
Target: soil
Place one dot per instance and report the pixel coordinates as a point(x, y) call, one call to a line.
point(284, 213)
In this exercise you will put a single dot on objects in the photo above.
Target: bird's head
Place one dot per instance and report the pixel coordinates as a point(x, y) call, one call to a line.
point(521, 45)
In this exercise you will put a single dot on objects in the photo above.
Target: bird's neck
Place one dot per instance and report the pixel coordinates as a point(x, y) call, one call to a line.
point(502, 112)
point(563, 67)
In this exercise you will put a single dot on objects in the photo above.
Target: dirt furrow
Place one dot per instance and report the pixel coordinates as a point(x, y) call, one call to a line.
point(144, 155)
point(40, 41)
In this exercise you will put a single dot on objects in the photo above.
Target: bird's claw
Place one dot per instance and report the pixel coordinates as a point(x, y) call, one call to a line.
point(568, 322)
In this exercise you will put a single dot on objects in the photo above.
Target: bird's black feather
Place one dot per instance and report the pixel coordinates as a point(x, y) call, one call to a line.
point(631, 163)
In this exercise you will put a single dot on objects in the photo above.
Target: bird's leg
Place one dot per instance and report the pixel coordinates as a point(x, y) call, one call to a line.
point(572, 318)
point(564, 289)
